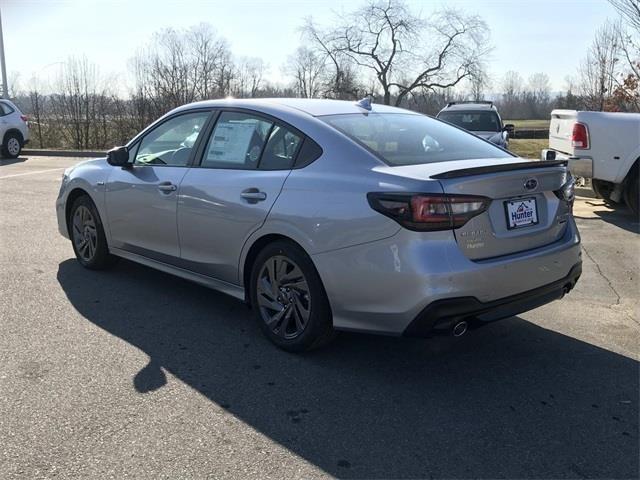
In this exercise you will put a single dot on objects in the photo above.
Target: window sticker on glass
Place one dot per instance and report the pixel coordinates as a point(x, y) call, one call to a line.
point(230, 142)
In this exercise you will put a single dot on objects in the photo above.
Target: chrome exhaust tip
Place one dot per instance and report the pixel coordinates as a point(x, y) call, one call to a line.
point(460, 329)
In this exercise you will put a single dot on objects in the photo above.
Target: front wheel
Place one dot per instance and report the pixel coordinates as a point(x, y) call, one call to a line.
point(288, 298)
point(87, 235)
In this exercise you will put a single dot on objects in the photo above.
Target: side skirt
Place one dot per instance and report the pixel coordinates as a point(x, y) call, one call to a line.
point(224, 287)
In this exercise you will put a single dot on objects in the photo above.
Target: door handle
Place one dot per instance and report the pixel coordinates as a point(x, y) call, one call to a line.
point(167, 187)
point(253, 195)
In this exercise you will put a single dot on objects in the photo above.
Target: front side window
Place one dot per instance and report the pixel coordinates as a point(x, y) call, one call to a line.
point(406, 139)
point(171, 142)
point(237, 141)
point(473, 121)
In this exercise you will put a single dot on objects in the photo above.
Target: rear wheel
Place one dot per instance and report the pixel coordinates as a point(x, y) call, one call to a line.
point(288, 298)
point(87, 235)
point(11, 145)
point(631, 190)
point(603, 190)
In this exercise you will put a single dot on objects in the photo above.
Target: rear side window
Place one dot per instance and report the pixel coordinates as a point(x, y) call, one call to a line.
point(309, 152)
point(5, 109)
point(237, 141)
point(281, 149)
point(406, 139)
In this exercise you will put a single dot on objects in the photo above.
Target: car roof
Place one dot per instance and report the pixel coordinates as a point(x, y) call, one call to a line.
point(313, 106)
point(469, 106)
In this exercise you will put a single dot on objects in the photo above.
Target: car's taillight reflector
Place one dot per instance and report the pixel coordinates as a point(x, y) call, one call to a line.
point(567, 192)
point(428, 212)
point(580, 136)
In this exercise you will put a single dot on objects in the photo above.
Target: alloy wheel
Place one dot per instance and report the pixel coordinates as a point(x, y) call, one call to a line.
point(85, 235)
point(284, 299)
point(13, 146)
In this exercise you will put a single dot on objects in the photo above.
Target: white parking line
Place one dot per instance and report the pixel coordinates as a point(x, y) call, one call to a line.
point(32, 173)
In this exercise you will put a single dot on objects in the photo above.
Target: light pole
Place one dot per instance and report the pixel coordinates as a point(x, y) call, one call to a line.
point(3, 66)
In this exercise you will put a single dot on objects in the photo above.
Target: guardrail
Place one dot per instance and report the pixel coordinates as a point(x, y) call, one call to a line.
point(530, 133)
point(64, 153)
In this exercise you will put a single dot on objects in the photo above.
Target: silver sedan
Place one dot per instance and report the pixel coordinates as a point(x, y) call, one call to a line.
point(328, 215)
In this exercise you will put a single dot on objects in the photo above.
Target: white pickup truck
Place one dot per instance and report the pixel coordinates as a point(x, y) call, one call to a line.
point(603, 146)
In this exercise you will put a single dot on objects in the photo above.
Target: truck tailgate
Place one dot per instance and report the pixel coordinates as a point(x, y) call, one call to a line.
point(560, 130)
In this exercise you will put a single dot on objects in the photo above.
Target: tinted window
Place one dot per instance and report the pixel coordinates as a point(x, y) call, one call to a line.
point(281, 149)
point(473, 121)
point(5, 109)
point(405, 139)
point(171, 142)
point(237, 141)
point(309, 152)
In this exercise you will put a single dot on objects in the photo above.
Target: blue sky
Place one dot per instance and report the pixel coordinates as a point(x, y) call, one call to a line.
point(550, 36)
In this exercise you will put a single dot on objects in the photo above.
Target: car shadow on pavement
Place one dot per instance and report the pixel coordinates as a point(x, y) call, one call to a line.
point(11, 161)
point(509, 400)
point(620, 216)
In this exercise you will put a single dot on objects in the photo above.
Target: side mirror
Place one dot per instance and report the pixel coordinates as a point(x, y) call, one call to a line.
point(118, 157)
point(509, 127)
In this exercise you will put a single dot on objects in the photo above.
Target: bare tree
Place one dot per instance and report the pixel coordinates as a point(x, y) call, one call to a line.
point(629, 11)
point(512, 91)
point(406, 53)
point(307, 69)
point(627, 81)
point(182, 66)
point(75, 105)
point(598, 69)
point(343, 82)
point(37, 106)
point(249, 77)
point(209, 55)
point(478, 82)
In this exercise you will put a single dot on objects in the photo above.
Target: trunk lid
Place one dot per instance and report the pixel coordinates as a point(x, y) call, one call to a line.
point(561, 129)
point(524, 212)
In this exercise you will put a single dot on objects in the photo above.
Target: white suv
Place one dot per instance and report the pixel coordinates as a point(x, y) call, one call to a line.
point(14, 129)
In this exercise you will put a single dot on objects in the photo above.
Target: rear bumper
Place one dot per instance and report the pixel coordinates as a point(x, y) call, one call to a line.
point(381, 287)
point(578, 166)
point(442, 315)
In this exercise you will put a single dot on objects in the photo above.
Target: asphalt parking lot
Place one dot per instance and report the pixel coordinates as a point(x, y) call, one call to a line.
point(132, 373)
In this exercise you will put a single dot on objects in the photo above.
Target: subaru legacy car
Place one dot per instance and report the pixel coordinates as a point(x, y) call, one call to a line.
point(330, 215)
point(479, 117)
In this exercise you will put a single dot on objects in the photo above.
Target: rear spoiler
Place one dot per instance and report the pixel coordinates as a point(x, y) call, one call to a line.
point(507, 167)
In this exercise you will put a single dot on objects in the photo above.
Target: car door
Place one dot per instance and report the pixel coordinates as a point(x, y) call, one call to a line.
point(142, 199)
point(227, 197)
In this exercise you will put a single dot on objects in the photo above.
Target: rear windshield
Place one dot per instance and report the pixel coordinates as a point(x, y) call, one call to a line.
point(405, 139)
point(473, 121)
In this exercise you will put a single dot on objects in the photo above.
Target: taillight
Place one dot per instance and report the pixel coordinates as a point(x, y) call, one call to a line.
point(428, 212)
point(567, 192)
point(580, 136)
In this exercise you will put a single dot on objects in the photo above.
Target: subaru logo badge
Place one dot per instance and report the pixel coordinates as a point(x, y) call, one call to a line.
point(531, 184)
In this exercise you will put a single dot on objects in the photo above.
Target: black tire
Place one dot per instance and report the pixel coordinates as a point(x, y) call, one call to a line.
point(600, 189)
point(603, 190)
point(318, 329)
point(96, 255)
point(11, 145)
point(631, 190)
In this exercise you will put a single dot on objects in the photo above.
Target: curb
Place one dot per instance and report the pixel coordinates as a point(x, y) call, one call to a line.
point(64, 153)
